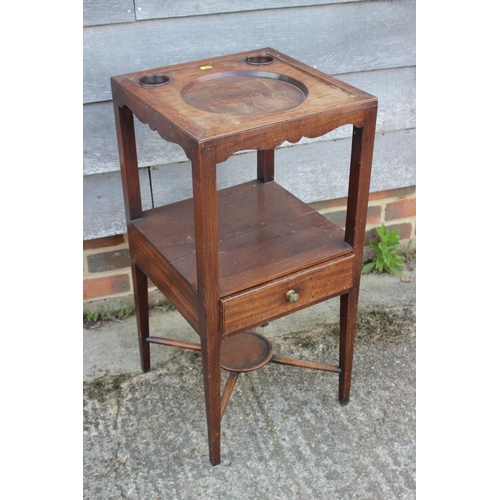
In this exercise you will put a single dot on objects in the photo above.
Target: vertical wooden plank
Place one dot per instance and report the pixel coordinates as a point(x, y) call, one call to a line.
point(338, 39)
point(265, 165)
point(96, 12)
point(159, 9)
point(359, 186)
point(207, 269)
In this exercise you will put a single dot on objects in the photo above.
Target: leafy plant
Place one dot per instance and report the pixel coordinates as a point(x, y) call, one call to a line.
point(92, 316)
point(386, 257)
point(108, 314)
point(124, 312)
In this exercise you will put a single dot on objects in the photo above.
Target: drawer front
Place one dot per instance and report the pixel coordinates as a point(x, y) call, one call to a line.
point(263, 303)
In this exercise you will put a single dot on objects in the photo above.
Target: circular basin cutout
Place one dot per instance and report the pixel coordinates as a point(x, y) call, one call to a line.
point(156, 80)
point(245, 93)
point(259, 60)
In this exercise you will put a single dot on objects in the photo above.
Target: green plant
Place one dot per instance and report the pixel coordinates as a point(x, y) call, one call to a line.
point(106, 313)
point(124, 312)
point(92, 316)
point(386, 257)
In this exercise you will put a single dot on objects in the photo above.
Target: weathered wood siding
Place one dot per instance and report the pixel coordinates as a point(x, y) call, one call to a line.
point(370, 44)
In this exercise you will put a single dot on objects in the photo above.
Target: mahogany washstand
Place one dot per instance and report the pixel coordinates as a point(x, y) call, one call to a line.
point(230, 260)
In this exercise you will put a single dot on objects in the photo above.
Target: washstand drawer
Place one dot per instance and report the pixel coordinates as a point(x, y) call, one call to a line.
point(282, 296)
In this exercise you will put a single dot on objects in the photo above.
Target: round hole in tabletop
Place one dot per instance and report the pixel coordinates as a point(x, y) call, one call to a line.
point(259, 60)
point(155, 80)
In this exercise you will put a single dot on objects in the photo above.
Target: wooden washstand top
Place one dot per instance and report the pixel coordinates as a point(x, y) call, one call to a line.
point(232, 95)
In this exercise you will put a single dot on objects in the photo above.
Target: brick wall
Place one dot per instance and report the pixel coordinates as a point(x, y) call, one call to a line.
point(396, 208)
point(106, 264)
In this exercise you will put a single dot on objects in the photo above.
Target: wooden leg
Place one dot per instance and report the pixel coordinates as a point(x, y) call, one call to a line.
point(348, 313)
point(140, 282)
point(207, 275)
point(210, 352)
point(265, 165)
point(357, 203)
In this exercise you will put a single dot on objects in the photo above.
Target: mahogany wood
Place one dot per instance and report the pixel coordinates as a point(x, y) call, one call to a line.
point(207, 273)
point(252, 307)
point(192, 346)
point(306, 364)
point(245, 352)
point(330, 103)
point(140, 283)
point(128, 162)
point(265, 165)
point(244, 93)
point(228, 390)
point(264, 233)
point(226, 259)
point(133, 209)
point(357, 201)
point(164, 275)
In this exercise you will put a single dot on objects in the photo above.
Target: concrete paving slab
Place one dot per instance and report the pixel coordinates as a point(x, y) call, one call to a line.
point(284, 434)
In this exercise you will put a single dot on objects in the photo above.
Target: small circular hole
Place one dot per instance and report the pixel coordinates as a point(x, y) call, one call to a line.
point(259, 60)
point(154, 80)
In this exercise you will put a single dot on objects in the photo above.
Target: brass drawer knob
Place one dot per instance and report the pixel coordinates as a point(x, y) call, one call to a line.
point(292, 296)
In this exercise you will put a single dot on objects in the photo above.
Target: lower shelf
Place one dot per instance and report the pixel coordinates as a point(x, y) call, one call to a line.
point(265, 233)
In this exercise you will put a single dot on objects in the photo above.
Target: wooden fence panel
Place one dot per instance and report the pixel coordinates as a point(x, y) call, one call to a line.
point(322, 165)
point(100, 151)
point(97, 12)
point(161, 9)
point(339, 38)
point(313, 172)
point(395, 89)
point(369, 44)
point(103, 207)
